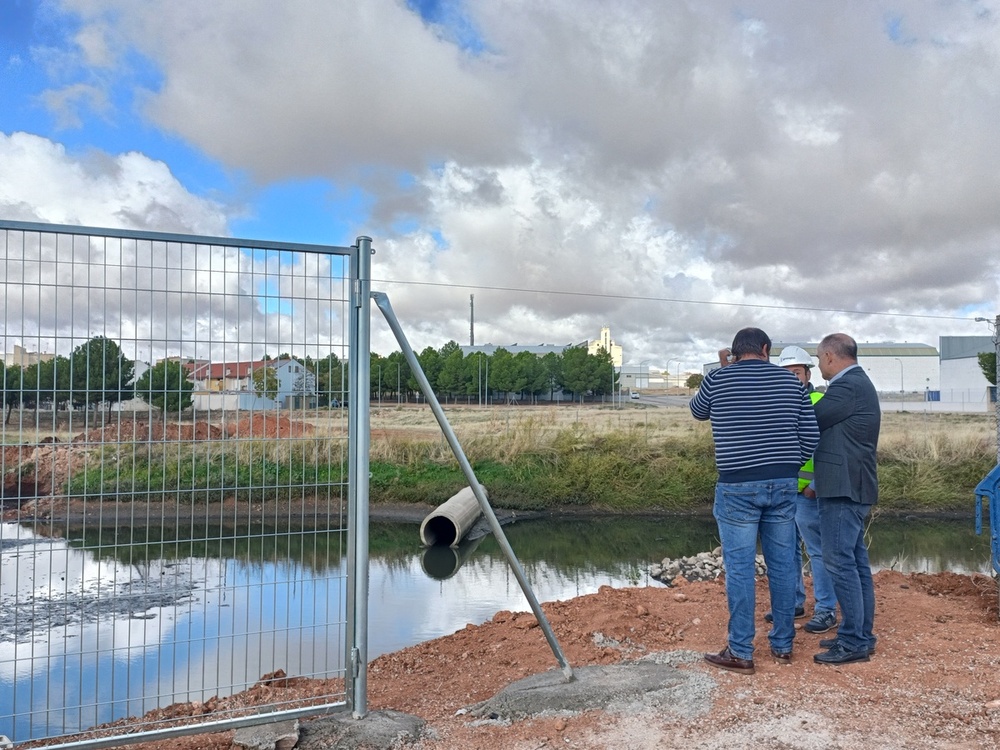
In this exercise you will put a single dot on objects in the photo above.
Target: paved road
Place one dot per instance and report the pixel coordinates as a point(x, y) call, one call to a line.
point(662, 400)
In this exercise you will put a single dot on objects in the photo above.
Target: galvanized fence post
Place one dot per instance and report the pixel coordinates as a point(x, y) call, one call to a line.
point(359, 439)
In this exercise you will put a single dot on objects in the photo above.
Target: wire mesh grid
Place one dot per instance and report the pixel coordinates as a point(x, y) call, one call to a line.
point(175, 477)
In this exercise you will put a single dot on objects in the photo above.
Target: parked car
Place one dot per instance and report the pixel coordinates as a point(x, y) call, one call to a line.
point(634, 395)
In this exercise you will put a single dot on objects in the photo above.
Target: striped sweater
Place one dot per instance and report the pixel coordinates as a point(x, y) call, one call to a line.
point(762, 421)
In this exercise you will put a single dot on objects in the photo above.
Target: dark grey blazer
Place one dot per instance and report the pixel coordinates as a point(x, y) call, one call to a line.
point(849, 418)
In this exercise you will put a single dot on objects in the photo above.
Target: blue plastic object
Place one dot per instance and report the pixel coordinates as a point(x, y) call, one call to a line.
point(989, 489)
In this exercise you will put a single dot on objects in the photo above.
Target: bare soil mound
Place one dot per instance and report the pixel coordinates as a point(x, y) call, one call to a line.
point(39, 470)
point(268, 426)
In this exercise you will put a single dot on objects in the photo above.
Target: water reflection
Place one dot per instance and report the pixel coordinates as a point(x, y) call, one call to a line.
point(441, 562)
point(91, 631)
point(86, 639)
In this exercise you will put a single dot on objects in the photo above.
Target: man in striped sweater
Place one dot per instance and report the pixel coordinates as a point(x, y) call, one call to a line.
point(764, 428)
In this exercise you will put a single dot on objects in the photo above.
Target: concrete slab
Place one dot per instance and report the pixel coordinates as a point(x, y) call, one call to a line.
point(651, 682)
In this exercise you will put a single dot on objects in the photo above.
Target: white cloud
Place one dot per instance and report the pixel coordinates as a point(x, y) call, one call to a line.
point(154, 300)
point(775, 154)
point(41, 181)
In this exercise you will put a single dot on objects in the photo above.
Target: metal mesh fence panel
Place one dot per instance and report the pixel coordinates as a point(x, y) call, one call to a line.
point(175, 478)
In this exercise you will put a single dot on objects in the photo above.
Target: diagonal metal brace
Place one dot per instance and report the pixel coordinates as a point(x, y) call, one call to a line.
point(382, 301)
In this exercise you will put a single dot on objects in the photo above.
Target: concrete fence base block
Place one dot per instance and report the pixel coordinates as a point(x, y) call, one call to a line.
point(282, 735)
point(377, 729)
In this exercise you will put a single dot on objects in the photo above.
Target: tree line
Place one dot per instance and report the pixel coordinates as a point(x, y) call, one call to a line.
point(98, 374)
point(500, 376)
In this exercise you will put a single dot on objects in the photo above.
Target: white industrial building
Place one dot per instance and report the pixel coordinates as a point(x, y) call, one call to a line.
point(902, 368)
point(962, 378)
point(945, 380)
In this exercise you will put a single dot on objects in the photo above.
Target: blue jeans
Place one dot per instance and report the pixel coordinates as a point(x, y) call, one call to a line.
point(745, 511)
point(842, 534)
point(807, 522)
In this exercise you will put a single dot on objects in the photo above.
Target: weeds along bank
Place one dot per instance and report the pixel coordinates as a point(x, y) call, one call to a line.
point(645, 459)
point(626, 460)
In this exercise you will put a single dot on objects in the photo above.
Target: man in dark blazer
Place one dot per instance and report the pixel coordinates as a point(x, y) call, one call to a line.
point(847, 486)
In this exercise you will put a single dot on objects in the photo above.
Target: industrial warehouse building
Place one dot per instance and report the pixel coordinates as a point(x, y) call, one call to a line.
point(919, 371)
point(893, 367)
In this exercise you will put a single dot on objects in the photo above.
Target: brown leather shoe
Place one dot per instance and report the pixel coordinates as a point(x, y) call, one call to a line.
point(726, 659)
point(781, 657)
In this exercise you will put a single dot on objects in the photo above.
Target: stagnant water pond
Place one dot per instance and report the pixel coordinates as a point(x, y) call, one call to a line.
point(415, 595)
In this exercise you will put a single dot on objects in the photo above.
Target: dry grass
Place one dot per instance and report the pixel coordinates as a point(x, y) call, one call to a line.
point(503, 432)
point(937, 437)
point(406, 433)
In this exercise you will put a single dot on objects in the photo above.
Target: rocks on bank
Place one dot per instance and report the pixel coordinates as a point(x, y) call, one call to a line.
point(705, 566)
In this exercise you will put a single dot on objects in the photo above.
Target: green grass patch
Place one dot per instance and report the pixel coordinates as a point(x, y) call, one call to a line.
point(628, 469)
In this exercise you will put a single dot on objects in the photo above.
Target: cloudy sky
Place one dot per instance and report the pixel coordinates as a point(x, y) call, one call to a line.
point(674, 169)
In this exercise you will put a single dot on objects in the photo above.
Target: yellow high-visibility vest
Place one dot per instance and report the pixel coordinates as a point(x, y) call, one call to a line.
point(806, 472)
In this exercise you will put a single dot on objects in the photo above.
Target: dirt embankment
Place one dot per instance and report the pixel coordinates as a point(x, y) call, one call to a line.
point(41, 470)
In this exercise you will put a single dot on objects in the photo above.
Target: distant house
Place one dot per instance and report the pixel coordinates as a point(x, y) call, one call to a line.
point(229, 385)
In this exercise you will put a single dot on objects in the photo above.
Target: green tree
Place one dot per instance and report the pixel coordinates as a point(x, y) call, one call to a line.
point(553, 366)
point(166, 386)
point(604, 376)
point(477, 371)
point(503, 372)
point(694, 380)
point(398, 373)
point(522, 368)
point(330, 379)
point(451, 378)
point(577, 377)
point(449, 348)
point(265, 382)
point(12, 389)
point(46, 381)
point(988, 364)
point(376, 375)
point(101, 374)
point(431, 363)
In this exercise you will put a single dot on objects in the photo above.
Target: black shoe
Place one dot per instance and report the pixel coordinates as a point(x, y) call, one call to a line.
point(840, 655)
point(829, 643)
point(800, 612)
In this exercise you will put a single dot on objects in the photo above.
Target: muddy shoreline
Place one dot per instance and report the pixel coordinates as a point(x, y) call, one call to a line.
point(60, 511)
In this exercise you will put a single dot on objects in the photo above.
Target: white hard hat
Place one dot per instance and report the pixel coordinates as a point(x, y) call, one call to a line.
point(794, 355)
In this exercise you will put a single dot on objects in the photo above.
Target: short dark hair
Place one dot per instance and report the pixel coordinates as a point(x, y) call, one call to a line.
point(750, 341)
point(840, 345)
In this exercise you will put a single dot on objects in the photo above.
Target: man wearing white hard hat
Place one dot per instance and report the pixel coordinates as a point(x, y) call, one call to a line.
point(798, 361)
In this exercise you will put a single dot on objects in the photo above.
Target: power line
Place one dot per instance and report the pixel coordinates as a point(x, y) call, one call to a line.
point(641, 298)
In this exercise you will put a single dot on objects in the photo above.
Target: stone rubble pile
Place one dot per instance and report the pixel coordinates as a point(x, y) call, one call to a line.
point(705, 566)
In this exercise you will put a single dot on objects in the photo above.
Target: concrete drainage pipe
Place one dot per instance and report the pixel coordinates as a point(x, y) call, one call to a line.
point(451, 521)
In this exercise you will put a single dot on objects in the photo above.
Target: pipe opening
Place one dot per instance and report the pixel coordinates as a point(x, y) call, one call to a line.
point(439, 530)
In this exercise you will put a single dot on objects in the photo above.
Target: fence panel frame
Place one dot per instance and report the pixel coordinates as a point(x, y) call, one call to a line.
point(355, 646)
